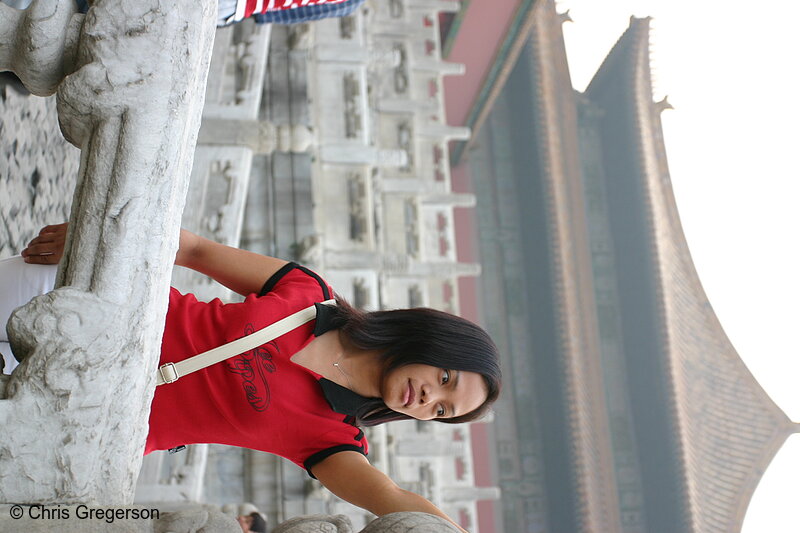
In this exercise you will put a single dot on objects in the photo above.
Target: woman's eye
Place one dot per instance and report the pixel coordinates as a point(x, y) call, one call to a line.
point(440, 412)
point(445, 377)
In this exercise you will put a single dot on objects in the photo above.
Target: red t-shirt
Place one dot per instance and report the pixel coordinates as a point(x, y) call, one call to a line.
point(260, 399)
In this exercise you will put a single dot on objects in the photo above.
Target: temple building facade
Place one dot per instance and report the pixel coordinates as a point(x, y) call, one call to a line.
point(626, 409)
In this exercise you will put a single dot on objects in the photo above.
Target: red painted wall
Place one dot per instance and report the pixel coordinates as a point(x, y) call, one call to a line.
point(481, 34)
point(467, 251)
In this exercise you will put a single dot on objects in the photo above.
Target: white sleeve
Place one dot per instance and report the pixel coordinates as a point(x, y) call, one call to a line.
point(19, 283)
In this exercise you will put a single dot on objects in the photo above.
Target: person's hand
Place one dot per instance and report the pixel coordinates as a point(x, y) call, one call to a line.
point(48, 247)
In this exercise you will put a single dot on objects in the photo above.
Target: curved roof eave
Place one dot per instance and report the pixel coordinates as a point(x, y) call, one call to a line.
point(730, 429)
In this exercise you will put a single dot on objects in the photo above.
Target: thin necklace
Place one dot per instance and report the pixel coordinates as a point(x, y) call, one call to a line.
point(339, 368)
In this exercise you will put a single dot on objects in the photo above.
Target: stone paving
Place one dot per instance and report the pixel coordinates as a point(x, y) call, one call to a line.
point(38, 168)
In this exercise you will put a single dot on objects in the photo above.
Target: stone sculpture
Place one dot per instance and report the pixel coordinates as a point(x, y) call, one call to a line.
point(409, 523)
point(74, 414)
point(391, 523)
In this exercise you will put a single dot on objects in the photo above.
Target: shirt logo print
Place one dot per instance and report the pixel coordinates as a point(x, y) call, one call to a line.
point(253, 367)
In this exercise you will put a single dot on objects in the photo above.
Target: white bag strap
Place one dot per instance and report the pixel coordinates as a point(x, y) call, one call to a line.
point(171, 372)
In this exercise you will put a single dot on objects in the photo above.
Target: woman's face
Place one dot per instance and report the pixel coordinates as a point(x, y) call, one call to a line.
point(426, 392)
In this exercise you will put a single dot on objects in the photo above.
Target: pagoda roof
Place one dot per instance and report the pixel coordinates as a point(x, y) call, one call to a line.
point(536, 121)
point(728, 428)
point(554, 134)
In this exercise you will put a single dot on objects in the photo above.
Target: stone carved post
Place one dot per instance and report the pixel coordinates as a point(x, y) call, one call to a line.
point(74, 413)
point(38, 44)
point(409, 523)
point(390, 523)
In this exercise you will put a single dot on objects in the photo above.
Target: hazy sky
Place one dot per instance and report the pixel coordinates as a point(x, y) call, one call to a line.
point(733, 140)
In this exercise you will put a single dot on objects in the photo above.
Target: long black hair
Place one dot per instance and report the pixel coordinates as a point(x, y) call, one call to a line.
point(420, 336)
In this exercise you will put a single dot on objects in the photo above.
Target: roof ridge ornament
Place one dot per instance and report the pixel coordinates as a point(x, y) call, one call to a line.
point(634, 19)
point(663, 104)
point(564, 17)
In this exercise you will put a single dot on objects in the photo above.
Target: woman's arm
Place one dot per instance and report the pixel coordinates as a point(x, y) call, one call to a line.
point(350, 476)
point(239, 270)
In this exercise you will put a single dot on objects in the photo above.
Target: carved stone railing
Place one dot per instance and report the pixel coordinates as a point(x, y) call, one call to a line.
point(130, 80)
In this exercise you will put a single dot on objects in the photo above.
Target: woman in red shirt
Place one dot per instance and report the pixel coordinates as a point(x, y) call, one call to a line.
point(304, 395)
